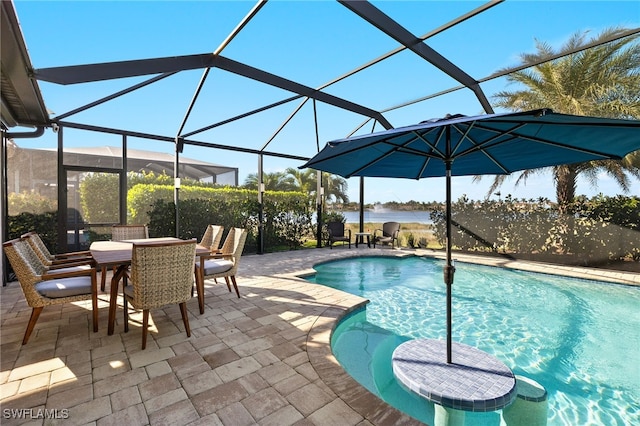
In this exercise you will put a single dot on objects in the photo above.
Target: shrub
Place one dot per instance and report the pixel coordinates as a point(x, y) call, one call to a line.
point(286, 215)
point(601, 228)
point(30, 202)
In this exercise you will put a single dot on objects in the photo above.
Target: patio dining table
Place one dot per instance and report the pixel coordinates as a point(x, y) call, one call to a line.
point(118, 254)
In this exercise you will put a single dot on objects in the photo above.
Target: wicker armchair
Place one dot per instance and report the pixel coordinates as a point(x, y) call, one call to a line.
point(42, 287)
point(54, 259)
point(221, 265)
point(212, 237)
point(389, 232)
point(161, 274)
point(33, 258)
point(337, 233)
point(120, 233)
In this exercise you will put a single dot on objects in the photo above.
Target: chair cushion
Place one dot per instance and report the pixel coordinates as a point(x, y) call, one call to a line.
point(64, 287)
point(212, 267)
point(69, 269)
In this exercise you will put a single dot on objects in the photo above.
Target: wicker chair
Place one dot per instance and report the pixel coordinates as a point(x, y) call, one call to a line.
point(212, 237)
point(42, 287)
point(161, 274)
point(389, 231)
point(221, 265)
point(337, 233)
point(129, 232)
point(33, 258)
point(53, 259)
point(120, 233)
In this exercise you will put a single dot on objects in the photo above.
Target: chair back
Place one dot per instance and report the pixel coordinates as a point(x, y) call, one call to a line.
point(335, 229)
point(20, 256)
point(238, 240)
point(390, 229)
point(212, 237)
point(234, 244)
point(162, 273)
point(39, 247)
point(227, 246)
point(29, 255)
point(129, 232)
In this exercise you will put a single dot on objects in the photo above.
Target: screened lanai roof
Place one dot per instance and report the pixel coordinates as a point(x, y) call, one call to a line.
point(277, 77)
point(148, 161)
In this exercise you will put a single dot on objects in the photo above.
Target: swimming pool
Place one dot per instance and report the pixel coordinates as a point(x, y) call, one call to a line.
point(577, 338)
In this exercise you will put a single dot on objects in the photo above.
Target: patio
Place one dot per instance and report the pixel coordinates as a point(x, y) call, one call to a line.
point(262, 359)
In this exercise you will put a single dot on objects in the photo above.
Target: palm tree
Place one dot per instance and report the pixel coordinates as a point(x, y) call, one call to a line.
point(276, 181)
point(335, 187)
point(601, 81)
point(303, 180)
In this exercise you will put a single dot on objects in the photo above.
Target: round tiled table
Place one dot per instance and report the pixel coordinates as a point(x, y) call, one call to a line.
point(474, 381)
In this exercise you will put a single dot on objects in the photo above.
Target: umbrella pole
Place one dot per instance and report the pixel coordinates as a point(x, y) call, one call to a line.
point(449, 269)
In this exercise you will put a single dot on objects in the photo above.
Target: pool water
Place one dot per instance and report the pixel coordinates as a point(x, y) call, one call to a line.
point(579, 339)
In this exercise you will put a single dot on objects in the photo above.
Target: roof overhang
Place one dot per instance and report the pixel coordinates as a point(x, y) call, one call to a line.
point(22, 102)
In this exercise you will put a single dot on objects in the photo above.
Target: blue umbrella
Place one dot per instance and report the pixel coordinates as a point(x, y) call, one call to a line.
point(482, 145)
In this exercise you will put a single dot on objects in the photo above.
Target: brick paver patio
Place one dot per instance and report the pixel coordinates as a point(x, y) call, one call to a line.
point(263, 359)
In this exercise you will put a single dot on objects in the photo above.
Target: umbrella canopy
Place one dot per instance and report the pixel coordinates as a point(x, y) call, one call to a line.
point(482, 145)
point(486, 144)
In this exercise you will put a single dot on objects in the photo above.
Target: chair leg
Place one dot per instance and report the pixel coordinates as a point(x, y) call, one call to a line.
point(200, 289)
point(94, 306)
point(145, 325)
point(103, 278)
point(185, 318)
point(35, 314)
point(228, 284)
point(235, 285)
point(126, 314)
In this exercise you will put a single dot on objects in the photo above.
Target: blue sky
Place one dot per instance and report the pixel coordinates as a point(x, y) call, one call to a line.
point(309, 42)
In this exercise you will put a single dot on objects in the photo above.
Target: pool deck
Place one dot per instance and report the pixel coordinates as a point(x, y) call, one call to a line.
point(263, 359)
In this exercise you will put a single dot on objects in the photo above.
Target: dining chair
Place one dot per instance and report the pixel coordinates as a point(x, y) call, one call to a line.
point(221, 265)
point(34, 239)
point(120, 233)
point(212, 237)
point(34, 260)
point(161, 274)
point(43, 287)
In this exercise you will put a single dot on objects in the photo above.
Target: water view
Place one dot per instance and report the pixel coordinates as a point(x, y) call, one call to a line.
point(383, 215)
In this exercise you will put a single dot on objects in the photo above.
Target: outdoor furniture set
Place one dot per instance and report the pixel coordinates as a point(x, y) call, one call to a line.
point(388, 234)
point(161, 271)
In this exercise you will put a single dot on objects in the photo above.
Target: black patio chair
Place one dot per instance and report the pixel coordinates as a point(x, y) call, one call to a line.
point(389, 232)
point(337, 233)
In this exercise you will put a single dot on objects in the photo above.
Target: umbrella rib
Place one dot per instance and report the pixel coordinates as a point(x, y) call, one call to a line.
point(514, 134)
point(478, 146)
point(396, 148)
point(408, 150)
point(433, 147)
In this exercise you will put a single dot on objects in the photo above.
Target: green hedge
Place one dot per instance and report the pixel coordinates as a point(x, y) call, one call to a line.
point(287, 216)
point(599, 229)
point(99, 196)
